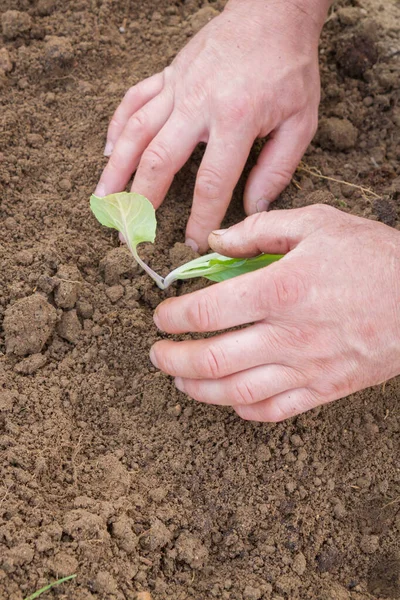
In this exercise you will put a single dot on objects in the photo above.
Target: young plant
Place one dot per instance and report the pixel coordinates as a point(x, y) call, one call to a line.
point(46, 588)
point(134, 217)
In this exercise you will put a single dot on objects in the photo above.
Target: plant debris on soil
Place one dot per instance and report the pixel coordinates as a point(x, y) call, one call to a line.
point(107, 471)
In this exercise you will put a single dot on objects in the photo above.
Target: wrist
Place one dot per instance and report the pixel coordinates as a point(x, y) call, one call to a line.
point(308, 16)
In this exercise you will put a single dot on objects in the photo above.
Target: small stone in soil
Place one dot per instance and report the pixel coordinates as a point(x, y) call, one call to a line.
point(143, 596)
point(65, 184)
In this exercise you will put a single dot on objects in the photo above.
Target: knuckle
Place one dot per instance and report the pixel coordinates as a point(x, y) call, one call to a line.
point(332, 389)
point(131, 92)
point(208, 183)
point(236, 110)
point(136, 122)
point(115, 123)
point(214, 363)
point(282, 409)
point(289, 288)
point(267, 338)
point(313, 127)
point(281, 175)
point(243, 393)
point(156, 157)
point(316, 216)
point(242, 412)
point(203, 314)
point(167, 315)
point(308, 399)
point(297, 337)
point(321, 212)
point(255, 223)
point(115, 162)
point(295, 403)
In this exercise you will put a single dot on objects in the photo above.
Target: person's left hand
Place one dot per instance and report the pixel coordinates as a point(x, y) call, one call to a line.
point(247, 74)
point(325, 319)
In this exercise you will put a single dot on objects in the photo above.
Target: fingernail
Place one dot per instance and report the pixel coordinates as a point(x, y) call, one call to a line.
point(153, 358)
point(180, 384)
point(108, 149)
point(192, 244)
point(100, 191)
point(219, 231)
point(262, 205)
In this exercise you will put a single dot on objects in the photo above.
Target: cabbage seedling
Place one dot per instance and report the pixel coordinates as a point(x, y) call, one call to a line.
point(134, 217)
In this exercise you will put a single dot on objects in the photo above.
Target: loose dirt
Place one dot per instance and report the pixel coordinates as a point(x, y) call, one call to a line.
point(107, 471)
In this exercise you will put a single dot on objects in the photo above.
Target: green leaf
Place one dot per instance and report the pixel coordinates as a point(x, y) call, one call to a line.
point(48, 587)
point(240, 266)
point(217, 267)
point(134, 217)
point(131, 214)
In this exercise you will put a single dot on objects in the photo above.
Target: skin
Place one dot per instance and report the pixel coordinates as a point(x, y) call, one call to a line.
point(247, 74)
point(322, 323)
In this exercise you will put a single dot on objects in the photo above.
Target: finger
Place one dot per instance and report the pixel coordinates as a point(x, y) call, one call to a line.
point(280, 407)
point(165, 156)
point(244, 388)
point(277, 162)
point(219, 172)
point(140, 129)
point(223, 355)
point(136, 97)
point(274, 232)
point(263, 294)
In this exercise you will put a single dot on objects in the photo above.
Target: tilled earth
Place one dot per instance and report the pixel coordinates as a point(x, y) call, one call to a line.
point(107, 471)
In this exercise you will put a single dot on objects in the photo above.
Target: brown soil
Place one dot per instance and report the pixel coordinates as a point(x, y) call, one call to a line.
point(106, 470)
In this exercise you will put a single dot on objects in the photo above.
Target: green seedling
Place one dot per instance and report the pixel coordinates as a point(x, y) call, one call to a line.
point(48, 587)
point(134, 217)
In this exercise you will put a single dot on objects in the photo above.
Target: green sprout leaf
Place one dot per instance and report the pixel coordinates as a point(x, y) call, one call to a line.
point(134, 217)
point(48, 587)
point(217, 267)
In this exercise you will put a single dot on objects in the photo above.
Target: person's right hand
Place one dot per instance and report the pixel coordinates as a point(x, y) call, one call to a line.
point(251, 72)
point(322, 323)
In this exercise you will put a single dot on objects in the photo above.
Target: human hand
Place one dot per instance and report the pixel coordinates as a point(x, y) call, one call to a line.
point(325, 319)
point(247, 74)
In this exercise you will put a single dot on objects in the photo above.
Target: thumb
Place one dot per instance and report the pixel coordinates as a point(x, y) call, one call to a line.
point(274, 232)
